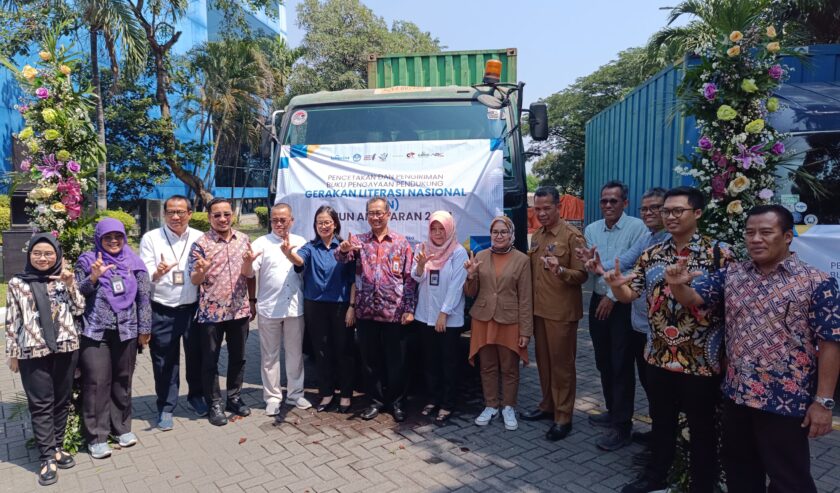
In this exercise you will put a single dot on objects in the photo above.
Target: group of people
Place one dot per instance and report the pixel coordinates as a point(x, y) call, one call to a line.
point(676, 304)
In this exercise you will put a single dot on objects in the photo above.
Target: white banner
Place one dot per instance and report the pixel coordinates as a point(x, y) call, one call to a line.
point(817, 245)
point(463, 177)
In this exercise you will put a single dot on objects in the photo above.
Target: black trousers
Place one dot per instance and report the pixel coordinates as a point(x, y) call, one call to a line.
point(696, 396)
point(235, 333)
point(332, 343)
point(48, 383)
point(169, 325)
point(612, 341)
point(758, 444)
point(639, 340)
point(383, 347)
point(440, 363)
point(107, 371)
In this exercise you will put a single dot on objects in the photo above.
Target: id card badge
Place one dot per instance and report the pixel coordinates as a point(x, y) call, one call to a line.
point(395, 265)
point(117, 285)
point(178, 277)
point(434, 278)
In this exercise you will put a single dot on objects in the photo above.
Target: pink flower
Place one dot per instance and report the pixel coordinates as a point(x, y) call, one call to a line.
point(778, 148)
point(776, 72)
point(25, 165)
point(55, 233)
point(73, 211)
point(73, 166)
point(720, 159)
point(23, 109)
point(765, 194)
point(719, 187)
point(705, 143)
point(50, 168)
point(42, 93)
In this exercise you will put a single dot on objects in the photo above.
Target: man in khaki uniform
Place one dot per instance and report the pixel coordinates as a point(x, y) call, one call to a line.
point(557, 276)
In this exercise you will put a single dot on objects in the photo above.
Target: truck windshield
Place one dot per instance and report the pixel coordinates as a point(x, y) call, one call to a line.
point(819, 155)
point(353, 124)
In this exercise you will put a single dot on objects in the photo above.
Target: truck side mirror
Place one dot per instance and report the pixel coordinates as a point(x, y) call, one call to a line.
point(538, 121)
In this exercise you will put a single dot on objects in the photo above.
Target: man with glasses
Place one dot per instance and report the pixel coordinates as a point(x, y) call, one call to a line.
point(279, 309)
point(386, 296)
point(778, 393)
point(215, 265)
point(165, 251)
point(557, 276)
point(609, 321)
point(652, 202)
point(683, 353)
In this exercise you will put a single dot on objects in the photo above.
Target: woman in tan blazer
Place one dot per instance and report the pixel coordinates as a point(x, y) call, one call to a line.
point(502, 319)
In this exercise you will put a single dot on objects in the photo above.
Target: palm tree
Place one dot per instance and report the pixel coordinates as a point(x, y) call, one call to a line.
point(115, 21)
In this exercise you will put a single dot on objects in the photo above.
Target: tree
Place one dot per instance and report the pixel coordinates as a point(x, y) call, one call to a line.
point(570, 109)
point(157, 18)
point(532, 182)
point(339, 36)
point(23, 23)
point(113, 20)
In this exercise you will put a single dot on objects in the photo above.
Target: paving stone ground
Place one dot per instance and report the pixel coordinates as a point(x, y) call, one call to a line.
point(308, 452)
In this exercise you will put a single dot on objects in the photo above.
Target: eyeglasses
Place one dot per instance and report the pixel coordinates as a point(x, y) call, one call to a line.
point(376, 214)
point(609, 201)
point(652, 209)
point(499, 232)
point(219, 215)
point(325, 224)
point(282, 220)
point(676, 212)
point(177, 213)
point(112, 238)
point(42, 254)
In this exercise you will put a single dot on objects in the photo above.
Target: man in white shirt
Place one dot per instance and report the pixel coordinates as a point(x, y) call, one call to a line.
point(279, 309)
point(165, 251)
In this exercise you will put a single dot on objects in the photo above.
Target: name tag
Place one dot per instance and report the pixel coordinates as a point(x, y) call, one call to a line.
point(117, 285)
point(395, 265)
point(434, 277)
point(178, 277)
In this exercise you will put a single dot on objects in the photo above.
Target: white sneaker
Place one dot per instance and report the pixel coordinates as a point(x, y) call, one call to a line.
point(300, 403)
point(272, 408)
point(509, 415)
point(486, 416)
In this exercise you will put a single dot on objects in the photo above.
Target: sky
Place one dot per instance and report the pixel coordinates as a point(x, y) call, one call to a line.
point(558, 40)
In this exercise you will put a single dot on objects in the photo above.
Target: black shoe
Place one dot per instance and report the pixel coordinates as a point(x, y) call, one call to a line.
point(614, 440)
point(371, 412)
point(644, 485)
point(642, 458)
point(48, 473)
point(65, 461)
point(322, 408)
point(398, 413)
point(558, 432)
point(216, 416)
point(535, 415)
point(642, 437)
point(603, 420)
point(236, 406)
point(344, 409)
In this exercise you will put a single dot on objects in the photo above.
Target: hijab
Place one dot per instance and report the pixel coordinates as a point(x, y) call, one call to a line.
point(38, 281)
point(450, 243)
point(127, 264)
point(512, 236)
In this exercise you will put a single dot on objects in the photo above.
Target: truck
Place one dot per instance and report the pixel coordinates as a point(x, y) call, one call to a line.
point(640, 138)
point(439, 131)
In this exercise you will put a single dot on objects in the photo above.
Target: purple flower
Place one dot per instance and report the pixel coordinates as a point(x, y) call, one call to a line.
point(709, 90)
point(23, 109)
point(705, 143)
point(50, 168)
point(42, 92)
point(25, 165)
point(750, 157)
point(778, 148)
point(765, 194)
point(776, 72)
point(74, 166)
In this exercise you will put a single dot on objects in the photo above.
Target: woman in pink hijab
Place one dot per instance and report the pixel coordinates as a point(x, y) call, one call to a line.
point(440, 310)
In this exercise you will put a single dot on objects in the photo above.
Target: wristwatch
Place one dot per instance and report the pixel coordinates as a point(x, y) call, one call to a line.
point(826, 402)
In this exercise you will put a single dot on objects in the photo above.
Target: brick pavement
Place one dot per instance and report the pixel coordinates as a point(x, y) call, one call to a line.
point(305, 452)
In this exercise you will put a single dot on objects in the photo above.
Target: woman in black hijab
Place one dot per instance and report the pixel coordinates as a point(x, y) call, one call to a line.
point(41, 342)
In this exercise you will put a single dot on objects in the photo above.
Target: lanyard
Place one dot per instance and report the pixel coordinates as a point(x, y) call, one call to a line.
point(178, 257)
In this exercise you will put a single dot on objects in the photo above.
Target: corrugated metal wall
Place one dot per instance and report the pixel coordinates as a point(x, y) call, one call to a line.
point(459, 68)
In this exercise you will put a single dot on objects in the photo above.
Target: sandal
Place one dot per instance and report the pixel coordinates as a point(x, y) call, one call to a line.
point(48, 474)
point(443, 415)
point(427, 409)
point(64, 460)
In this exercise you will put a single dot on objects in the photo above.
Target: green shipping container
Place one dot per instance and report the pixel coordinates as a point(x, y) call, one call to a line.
point(450, 68)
